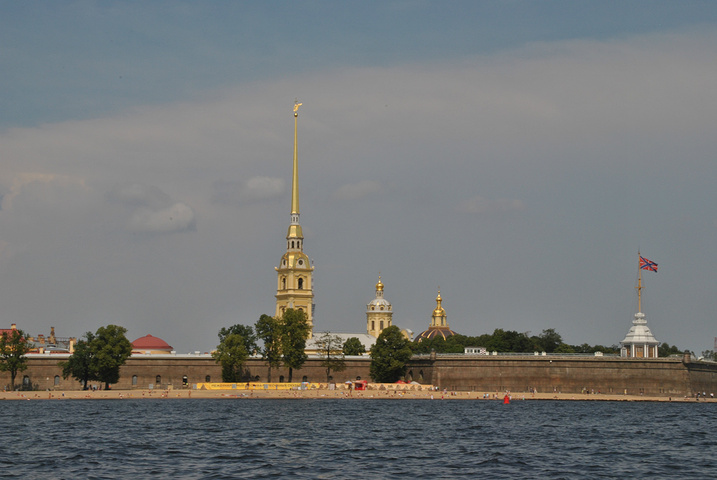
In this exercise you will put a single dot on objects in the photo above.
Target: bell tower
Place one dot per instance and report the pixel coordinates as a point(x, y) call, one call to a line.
point(294, 273)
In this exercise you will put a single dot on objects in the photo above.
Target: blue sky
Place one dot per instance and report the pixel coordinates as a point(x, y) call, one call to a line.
point(515, 153)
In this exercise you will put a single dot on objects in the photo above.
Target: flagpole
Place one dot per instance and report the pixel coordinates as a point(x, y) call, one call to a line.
point(639, 284)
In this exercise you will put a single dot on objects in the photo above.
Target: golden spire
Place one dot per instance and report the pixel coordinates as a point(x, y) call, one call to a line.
point(295, 178)
point(294, 227)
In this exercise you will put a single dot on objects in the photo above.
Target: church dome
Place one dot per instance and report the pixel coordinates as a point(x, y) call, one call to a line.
point(435, 332)
point(439, 323)
point(151, 344)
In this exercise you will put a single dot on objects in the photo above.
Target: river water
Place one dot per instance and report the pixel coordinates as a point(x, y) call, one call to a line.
point(368, 439)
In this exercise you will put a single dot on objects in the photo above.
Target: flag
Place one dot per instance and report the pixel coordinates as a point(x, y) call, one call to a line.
point(646, 264)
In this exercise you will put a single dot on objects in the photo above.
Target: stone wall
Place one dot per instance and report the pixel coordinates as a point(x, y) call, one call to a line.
point(660, 377)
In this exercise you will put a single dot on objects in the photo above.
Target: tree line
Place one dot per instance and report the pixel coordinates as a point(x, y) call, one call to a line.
point(98, 356)
point(283, 343)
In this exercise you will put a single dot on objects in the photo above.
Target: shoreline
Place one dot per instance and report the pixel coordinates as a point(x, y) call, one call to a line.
point(331, 394)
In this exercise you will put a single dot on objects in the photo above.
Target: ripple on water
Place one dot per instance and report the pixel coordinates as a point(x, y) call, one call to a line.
point(217, 439)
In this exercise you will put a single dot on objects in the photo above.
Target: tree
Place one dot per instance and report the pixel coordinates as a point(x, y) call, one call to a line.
point(549, 340)
point(110, 349)
point(80, 365)
point(13, 347)
point(267, 330)
point(353, 346)
point(247, 334)
point(709, 355)
point(665, 350)
point(332, 352)
point(294, 330)
point(231, 353)
point(389, 356)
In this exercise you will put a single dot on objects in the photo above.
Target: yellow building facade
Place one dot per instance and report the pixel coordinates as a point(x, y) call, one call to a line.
point(379, 314)
point(295, 271)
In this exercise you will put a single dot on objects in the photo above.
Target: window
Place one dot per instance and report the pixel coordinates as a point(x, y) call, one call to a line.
point(25, 381)
point(158, 380)
point(373, 324)
point(381, 323)
point(57, 380)
point(281, 379)
point(283, 283)
point(134, 379)
point(305, 379)
point(301, 284)
point(208, 378)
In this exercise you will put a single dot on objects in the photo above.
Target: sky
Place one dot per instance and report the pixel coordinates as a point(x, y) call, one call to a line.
point(515, 154)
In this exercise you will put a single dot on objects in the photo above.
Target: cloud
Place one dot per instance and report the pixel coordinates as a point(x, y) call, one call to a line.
point(480, 205)
point(152, 210)
point(354, 191)
point(177, 218)
point(253, 190)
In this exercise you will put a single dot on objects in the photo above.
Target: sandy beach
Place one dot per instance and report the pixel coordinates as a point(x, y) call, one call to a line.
point(326, 393)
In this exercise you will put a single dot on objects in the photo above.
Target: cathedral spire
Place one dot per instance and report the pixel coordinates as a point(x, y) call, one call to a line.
point(295, 272)
point(294, 227)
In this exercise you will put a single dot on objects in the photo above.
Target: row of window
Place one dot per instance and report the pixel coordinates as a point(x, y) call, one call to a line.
point(300, 283)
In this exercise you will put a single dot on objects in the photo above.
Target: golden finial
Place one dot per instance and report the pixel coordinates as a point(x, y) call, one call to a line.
point(296, 107)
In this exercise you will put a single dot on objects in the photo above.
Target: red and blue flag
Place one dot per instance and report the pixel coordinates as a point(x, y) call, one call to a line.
point(646, 264)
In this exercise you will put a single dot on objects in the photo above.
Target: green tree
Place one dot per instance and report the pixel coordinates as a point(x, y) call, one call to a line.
point(110, 350)
point(549, 340)
point(13, 347)
point(231, 353)
point(709, 355)
point(665, 350)
point(564, 348)
point(268, 331)
point(331, 351)
point(353, 346)
point(389, 356)
point(247, 333)
point(80, 365)
point(294, 330)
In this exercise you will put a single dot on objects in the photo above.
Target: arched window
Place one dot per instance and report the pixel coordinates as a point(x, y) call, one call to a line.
point(208, 378)
point(283, 283)
point(373, 324)
point(281, 379)
point(381, 324)
point(134, 379)
point(292, 244)
point(25, 381)
point(301, 284)
point(57, 380)
point(305, 379)
point(158, 380)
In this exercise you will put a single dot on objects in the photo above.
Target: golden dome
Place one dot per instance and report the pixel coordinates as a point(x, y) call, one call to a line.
point(439, 312)
point(379, 285)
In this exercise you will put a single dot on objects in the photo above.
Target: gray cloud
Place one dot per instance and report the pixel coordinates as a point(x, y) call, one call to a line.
point(358, 190)
point(152, 210)
point(608, 145)
point(479, 204)
point(177, 218)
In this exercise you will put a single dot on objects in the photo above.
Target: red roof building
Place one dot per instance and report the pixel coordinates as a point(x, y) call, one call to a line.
point(151, 345)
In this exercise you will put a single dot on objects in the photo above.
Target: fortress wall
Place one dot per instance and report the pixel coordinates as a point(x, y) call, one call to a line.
point(659, 377)
point(703, 377)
